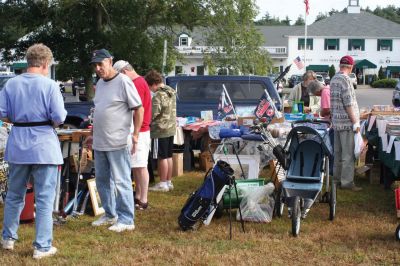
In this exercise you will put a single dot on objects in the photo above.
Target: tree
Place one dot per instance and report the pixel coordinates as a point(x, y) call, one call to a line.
point(267, 20)
point(332, 71)
point(381, 74)
point(300, 21)
point(321, 16)
point(234, 38)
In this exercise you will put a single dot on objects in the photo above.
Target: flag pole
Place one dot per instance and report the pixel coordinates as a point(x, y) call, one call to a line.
point(305, 36)
point(230, 101)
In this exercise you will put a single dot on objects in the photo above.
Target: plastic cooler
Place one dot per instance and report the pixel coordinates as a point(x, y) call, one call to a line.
point(242, 185)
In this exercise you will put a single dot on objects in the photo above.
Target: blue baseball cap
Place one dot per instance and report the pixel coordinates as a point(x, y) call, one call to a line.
point(100, 55)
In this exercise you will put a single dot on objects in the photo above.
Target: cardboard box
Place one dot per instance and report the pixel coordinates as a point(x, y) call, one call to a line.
point(177, 164)
point(205, 161)
point(246, 120)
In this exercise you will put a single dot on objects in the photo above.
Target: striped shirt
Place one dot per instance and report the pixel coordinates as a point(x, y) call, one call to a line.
point(342, 96)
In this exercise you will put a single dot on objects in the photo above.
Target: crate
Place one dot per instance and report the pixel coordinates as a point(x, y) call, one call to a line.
point(205, 161)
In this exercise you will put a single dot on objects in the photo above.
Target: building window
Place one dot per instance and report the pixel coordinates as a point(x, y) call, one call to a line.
point(356, 44)
point(183, 41)
point(331, 44)
point(385, 45)
point(178, 70)
point(300, 44)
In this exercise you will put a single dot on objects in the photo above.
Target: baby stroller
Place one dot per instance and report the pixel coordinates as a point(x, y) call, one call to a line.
point(309, 150)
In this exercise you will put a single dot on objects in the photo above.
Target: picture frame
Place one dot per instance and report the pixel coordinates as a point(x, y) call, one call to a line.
point(95, 197)
point(250, 164)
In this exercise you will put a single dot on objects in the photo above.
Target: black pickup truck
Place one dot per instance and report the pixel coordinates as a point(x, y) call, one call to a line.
point(77, 112)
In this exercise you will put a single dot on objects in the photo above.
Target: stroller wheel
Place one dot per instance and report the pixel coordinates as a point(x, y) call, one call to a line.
point(296, 216)
point(398, 233)
point(332, 202)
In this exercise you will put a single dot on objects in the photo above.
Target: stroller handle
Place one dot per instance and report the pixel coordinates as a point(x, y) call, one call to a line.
point(312, 121)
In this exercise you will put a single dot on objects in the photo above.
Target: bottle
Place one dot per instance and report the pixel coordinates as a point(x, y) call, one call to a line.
point(295, 108)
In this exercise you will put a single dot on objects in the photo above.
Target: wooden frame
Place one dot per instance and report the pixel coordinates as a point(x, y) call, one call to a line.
point(94, 197)
point(250, 164)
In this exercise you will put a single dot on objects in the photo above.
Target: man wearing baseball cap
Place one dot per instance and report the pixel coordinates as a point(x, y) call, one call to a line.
point(117, 105)
point(346, 122)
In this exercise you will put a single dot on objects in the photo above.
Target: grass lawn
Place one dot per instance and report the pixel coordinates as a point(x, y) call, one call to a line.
point(362, 233)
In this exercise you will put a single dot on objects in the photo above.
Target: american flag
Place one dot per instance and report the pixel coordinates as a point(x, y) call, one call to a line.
point(298, 62)
point(307, 6)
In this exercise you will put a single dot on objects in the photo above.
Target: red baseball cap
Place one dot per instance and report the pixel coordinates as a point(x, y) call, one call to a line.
point(347, 60)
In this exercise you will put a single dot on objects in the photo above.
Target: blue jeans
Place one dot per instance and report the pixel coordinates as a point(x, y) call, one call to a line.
point(45, 180)
point(114, 184)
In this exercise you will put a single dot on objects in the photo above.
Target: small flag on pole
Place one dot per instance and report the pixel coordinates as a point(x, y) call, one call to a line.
point(225, 106)
point(298, 62)
point(307, 6)
point(266, 108)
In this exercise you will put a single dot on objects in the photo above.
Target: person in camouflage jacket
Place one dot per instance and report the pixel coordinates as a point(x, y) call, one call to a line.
point(163, 127)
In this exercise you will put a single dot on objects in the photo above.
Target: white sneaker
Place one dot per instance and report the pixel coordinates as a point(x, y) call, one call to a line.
point(118, 227)
point(159, 187)
point(170, 186)
point(103, 220)
point(7, 244)
point(37, 254)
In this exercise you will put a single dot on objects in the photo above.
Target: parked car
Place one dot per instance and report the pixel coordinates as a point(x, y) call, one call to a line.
point(4, 77)
point(353, 79)
point(326, 77)
point(396, 96)
point(201, 93)
point(77, 84)
point(294, 80)
point(320, 79)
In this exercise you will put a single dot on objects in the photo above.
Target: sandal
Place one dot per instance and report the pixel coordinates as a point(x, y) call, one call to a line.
point(143, 206)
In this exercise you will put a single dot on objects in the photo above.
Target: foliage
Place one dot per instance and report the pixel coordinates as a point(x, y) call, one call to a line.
point(332, 71)
point(267, 20)
point(384, 83)
point(234, 38)
point(381, 74)
point(390, 12)
point(299, 21)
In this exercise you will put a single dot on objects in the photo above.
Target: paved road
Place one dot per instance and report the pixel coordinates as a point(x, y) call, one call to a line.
point(367, 96)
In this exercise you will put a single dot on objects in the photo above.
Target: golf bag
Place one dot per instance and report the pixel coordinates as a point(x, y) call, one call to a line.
point(198, 205)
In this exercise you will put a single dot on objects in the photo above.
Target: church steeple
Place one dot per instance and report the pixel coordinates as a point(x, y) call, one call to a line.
point(354, 7)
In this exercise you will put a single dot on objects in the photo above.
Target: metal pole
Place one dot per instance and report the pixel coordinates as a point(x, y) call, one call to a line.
point(305, 38)
point(164, 62)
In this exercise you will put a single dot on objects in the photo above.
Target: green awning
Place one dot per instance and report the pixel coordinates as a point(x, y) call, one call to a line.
point(332, 42)
point(364, 64)
point(19, 65)
point(393, 68)
point(318, 68)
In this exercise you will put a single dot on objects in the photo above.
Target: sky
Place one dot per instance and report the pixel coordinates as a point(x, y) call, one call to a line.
point(294, 8)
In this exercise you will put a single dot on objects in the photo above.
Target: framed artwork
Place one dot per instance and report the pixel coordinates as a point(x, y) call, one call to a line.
point(95, 197)
point(250, 164)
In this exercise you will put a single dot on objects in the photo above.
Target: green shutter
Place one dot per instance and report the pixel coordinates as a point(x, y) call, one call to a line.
point(379, 45)
point(310, 42)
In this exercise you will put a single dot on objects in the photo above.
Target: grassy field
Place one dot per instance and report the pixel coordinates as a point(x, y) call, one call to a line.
point(362, 233)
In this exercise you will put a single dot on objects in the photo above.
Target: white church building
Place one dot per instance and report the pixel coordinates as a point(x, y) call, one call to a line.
point(373, 41)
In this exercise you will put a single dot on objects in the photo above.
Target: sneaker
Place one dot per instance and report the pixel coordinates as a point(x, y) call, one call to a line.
point(38, 254)
point(159, 187)
point(103, 220)
point(118, 227)
point(143, 206)
point(170, 186)
point(7, 244)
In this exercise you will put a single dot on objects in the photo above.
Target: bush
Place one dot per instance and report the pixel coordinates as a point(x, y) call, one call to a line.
point(384, 83)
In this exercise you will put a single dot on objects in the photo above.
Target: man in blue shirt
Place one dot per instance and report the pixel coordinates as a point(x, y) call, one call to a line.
point(34, 104)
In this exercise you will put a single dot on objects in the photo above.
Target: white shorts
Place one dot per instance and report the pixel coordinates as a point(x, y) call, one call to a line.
point(139, 159)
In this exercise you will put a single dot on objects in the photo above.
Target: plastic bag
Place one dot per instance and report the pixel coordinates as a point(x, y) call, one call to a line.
point(358, 144)
point(257, 204)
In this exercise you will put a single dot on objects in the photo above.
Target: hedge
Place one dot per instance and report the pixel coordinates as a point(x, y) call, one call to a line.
point(384, 83)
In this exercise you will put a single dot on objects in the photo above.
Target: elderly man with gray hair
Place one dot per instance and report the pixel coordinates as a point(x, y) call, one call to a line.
point(317, 89)
point(346, 122)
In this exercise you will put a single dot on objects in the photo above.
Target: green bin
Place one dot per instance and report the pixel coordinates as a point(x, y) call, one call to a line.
point(242, 185)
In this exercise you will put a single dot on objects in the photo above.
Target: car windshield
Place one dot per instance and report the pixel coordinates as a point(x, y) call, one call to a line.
point(211, 90)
